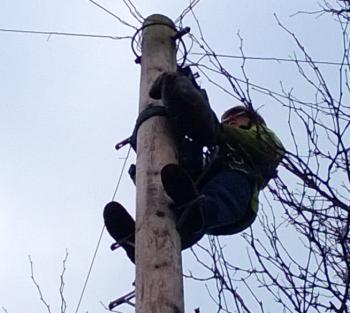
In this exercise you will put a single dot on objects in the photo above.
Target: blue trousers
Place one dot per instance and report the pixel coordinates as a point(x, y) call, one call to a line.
point(225, 209)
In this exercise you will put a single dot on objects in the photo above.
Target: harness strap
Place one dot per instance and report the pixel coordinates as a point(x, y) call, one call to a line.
point(150, 111)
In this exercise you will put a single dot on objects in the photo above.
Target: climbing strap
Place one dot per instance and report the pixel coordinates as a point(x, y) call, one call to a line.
point(150, 111)
point(158, 110)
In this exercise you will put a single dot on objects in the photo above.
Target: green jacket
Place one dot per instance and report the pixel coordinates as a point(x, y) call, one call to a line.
point(256, 151)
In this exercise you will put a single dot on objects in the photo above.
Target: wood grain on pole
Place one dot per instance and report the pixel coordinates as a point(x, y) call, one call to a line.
point(159, 284)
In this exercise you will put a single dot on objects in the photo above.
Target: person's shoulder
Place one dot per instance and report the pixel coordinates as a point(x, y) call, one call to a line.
point(270, 136)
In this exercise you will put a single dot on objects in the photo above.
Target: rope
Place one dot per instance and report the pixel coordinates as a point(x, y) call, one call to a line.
point(101, 235)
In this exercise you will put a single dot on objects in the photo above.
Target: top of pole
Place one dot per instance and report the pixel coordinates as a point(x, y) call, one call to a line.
point(159, 18)
point(158, 53)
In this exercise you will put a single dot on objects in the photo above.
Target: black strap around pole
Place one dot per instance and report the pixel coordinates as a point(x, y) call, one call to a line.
point(150, 111)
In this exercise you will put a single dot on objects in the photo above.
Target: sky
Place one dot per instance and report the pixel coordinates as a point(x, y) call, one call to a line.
point(65, 101)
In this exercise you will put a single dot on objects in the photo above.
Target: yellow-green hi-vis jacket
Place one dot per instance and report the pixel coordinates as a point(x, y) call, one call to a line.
point(256, 151)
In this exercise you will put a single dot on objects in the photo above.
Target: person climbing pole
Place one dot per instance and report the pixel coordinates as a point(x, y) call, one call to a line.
point(220, 197)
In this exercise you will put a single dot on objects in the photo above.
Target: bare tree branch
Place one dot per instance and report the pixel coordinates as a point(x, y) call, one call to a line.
point(63, 303)
point(42, 299)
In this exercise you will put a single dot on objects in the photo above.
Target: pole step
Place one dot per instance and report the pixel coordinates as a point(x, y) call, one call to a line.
point(123, 299)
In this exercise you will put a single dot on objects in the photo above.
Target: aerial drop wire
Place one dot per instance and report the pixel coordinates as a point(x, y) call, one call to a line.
point(101, 235)
point(54, 33)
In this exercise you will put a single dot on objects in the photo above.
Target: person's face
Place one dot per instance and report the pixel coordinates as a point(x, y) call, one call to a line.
point(237, 120)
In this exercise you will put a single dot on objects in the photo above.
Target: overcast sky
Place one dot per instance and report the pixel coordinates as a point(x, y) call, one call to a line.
point(65, 102)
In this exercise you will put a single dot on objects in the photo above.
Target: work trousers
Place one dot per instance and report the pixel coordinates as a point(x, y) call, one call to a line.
point(224, 210)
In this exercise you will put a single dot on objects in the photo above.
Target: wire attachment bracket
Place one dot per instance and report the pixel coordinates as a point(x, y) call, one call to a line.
point(178, 36)
point(180, 33)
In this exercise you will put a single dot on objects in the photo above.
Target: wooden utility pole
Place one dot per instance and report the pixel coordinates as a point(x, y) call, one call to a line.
point(159, 284)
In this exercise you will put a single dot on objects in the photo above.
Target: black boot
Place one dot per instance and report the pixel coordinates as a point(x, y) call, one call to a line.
point(121, 227)
point(178, 184)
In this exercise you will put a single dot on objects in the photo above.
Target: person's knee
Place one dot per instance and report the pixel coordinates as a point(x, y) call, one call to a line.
point(188, 240)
